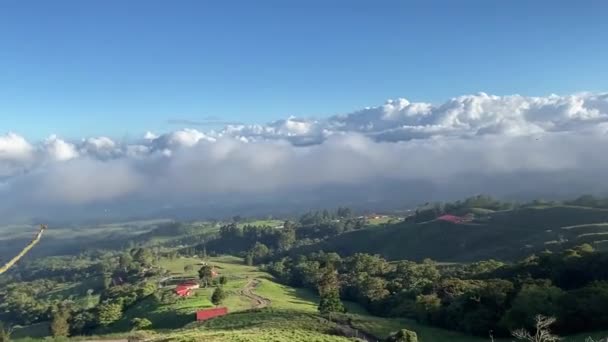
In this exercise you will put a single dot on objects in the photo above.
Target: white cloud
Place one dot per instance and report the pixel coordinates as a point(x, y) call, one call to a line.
point(59, 150)
point(15, 154)
point(468, 143)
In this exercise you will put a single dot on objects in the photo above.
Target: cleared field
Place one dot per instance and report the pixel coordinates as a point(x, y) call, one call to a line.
point(270, 223)
point(258, 325)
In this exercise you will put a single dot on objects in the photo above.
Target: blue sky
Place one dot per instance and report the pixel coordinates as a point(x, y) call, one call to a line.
point(119, 68)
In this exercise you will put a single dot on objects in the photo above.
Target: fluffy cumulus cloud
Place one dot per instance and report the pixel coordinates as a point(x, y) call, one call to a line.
point(401, 150)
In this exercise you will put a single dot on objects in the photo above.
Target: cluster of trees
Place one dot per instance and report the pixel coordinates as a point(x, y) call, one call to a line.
point(257, 243)
point(317, 217)
point(486, 296)
point(119, 279)
point(234, 239)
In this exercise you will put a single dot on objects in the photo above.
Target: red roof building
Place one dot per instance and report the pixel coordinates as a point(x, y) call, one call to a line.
point(185, 289)
point(203, 315)
point(451, 218)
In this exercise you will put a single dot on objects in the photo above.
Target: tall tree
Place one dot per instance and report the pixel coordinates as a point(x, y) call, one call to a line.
point(330, 302)
point(59, 323)
point(218, 296)
point(287, 236)
point(329, 292)
point(205, 274)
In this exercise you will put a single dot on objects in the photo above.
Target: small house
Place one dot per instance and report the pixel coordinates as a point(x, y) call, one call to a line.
point(185, 289)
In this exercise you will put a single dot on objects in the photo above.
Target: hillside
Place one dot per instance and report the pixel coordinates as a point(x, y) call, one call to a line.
point(504, 235)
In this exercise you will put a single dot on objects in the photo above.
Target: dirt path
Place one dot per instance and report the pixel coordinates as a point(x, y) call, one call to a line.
point(257, 302)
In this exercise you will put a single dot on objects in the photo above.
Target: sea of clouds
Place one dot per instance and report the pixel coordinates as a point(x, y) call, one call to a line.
point(468, 144)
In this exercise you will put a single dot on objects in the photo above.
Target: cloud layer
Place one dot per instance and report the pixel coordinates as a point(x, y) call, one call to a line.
point(468, 144)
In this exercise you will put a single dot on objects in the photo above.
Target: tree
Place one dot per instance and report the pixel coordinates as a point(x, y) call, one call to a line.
point(330, 302)
point(141, 323)
point(259, 251)
point(427, 307)
point(218, 296)
point(59, 323)
point(205, 274)
point(404, 335)
point(542, 334)
point(5, 333)
point(530, 301)
point(329, 292)
point(223, 280)
point(143, 256)
point(124, 262)
point(83, 322)
point(146, 288)
point(108, 313)
point(287, 236)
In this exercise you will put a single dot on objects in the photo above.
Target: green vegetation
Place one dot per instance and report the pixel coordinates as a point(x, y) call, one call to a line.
point(259, 325)
point(505, 235)
point(501, 266)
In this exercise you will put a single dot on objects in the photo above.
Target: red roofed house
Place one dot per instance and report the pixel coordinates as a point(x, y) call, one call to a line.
point(203, 315)
point(185, 289)
point(451, 218)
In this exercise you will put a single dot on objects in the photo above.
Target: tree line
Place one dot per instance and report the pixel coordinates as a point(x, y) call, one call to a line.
point(478, 298)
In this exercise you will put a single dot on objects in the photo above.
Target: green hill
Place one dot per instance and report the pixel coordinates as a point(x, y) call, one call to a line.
point(505, 235)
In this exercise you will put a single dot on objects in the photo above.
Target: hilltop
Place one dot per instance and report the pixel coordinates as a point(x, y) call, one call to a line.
point(503, 235)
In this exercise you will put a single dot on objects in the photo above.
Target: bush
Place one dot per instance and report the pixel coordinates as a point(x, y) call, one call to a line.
point(141, 323)
point(403, 335)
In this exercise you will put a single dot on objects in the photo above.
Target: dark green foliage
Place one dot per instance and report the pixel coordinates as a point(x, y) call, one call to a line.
point(25, 301)
point(165, 297)
point(218, 296)
point(83, 322)
point(531, 300)
point(329, 302)
point(108, 313)
point(143, 256)
point(205, 274)
point(585, 308)
point(489, 296)
point(258, 252)
point(329, 291)
point(141, 323)
point(223, 280)
point(403, 335)
point(60, 317)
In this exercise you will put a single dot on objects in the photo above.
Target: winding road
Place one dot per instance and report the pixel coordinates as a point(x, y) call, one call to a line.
point(257, 301)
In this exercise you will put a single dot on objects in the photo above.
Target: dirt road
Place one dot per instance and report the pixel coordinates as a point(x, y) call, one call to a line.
point(257, 302)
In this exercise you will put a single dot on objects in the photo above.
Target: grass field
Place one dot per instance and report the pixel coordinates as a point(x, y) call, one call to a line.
point(258, 325)
point(270, 223)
